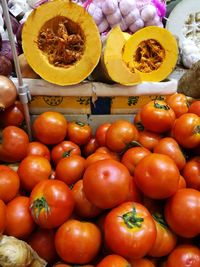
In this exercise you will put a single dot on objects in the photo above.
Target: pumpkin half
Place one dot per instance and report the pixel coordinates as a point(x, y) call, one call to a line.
point(152, 52)
point(111, 67)
point(61, 42)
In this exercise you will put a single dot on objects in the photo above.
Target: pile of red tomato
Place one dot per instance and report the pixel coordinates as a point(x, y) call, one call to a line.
point(126, 195)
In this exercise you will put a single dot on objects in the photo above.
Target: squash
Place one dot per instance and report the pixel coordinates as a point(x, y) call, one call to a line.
point(111, 67)
point(61, 42)
point(152, 52)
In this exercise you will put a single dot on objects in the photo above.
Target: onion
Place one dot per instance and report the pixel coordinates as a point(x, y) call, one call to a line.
point(7, 51)
point(8, 92)
point(14, 22)
point(19, 35)
point(0, 41)
point(5, 66)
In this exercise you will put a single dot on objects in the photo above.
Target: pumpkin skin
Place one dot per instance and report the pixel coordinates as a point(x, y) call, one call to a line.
point(168, 49)
point(49, 15)
point(111, 67)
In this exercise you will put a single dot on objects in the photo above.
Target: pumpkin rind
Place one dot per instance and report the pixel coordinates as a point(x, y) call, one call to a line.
point(168, 43)
point(38, 60)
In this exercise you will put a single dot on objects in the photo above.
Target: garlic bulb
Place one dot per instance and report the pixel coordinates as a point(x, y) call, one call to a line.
point(109, 7)
point(132, 17)
point(148, 13)
point(190, 53)
point(126, 6)
point(114, 18)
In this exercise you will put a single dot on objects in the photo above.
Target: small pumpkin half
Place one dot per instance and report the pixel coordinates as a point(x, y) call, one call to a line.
point(111, 67)
point(61, 42)
point(152, 52)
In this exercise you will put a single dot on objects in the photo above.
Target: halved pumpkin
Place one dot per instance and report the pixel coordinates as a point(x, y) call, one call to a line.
point(111, 66)
point(61, 42)
point(152, 52)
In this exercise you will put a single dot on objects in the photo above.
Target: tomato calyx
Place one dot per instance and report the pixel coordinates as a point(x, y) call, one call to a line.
point(38, 205)
point(139, 126)
point(160, 219)
point(132, 220)
point(159, 106)
point(79, 123)
point(197, 129)
point(67, 154)
point(130, 145)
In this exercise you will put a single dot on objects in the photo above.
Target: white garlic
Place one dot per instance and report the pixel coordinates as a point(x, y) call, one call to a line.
point(109, 7)
point(132, 16)
point(103, 26)
point(126, 6)
point(148, 13)
point(114, 18)
point(137, 25)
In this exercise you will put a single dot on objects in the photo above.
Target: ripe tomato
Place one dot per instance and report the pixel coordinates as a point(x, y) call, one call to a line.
point(134, 193)
point(70, 169)
point(182, 212)
point(165, 239)
point(90, 147)
point(143, 262)
point(104, 149)
point(42, 241)
point(38, 149)
point(195, 108)
point(36, 168)
point(113, 261)
point(130, 223)
point(179, 104)
point(19, 222)
point(157, 116)
point(191, 173)
point(168, 146)
point(14, 144)
point(120, 134)
point(96, 156)
point(148, 139)
point(137, 122)
point(157, 176)
point(79, 132)
point(77, 242)
point(106, 183)
point(12, 116)
point(67, 265)
point(186, 130)
point(51, 203)
point(50, 127)
point(100, 134)
point(133, 156)
point(2, 216)
point(83, 207)
point(184, 255)
point(182, 182)
point(64, 149)
point(9, 183)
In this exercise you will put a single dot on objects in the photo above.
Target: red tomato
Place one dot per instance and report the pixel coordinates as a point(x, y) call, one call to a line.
point(50, 127)
point(90, 147)
point(142, 263)
point(38, 149)
point(148, 139)
point(2, 216)
point(83, 207)
point(168, 146)
point(36, 168)
point(51, 203)
point(182, 182)
point(191, 173)
point(64, 149)
point(106, 183)
point(165, 239)
point(179, 104)
point(97, 156)
point(130, 223)
point(157, 116)
point(157, 176)
point(14, 144)
point(195, 108)
point(104, 149)
point(133, 156)
point(100, 134)
point(70, 169)
point(113, 261)
point(137, 122)
point(186, 130)
point(134, 193)
point(19, 222)
point(42, 241)
point(120, 134)
point(12, 116)
point(184, 255)
point(77, 242)
point(9, 183)
point(79, 132)
point(182, 212)
point(67, 265)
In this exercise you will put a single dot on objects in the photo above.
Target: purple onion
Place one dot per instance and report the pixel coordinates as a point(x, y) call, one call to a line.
point(14, 22)
point(19, 34)
point(0, 41)
point(5, 66)
point(7, 51)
